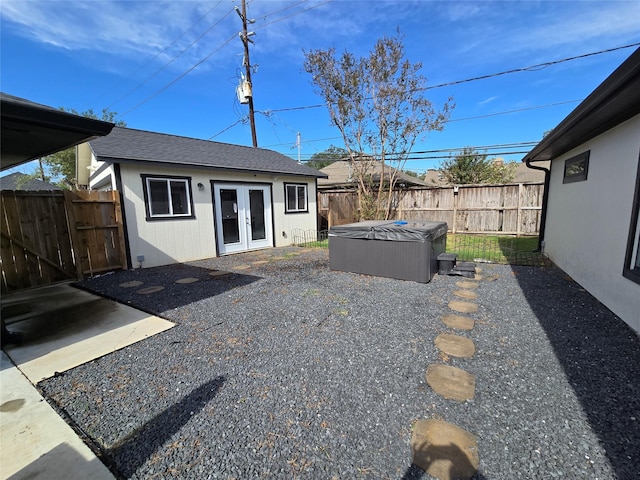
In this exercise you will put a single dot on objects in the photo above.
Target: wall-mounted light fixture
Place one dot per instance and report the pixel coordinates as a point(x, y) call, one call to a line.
point(200, 187)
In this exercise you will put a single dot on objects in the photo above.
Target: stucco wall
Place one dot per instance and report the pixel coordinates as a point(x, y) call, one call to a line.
point(164, 242)
point(588, 222)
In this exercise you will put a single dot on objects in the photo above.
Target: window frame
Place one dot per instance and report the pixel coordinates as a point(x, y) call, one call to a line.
point(306, 198)
point(576, 177)
point(631, 268)
point(150, 217)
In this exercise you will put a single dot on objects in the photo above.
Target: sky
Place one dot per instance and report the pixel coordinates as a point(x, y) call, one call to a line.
point(173, 66)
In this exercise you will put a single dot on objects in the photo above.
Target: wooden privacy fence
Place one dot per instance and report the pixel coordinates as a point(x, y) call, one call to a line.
point(488, 209)
point(51, 236)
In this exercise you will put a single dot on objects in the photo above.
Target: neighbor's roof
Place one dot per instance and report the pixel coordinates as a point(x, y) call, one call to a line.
point(21, 181)
point(616, 100)
point(340, 175)
point(31, 130)
point(126, 145)
point(522, 174)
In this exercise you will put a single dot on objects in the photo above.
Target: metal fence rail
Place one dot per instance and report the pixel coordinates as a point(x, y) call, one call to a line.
point(506, 250)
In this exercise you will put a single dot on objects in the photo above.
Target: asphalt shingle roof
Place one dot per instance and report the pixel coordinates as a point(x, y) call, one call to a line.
point(21, 181)
point(127, 145)
point(339, 174)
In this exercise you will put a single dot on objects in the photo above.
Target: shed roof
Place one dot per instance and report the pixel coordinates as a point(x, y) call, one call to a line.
point(127, 145)
point(615, 100)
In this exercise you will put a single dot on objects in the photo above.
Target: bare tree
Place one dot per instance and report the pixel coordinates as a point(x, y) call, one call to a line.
point(377, 104)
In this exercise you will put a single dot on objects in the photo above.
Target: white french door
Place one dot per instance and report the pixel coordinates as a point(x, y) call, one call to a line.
point(243, 217)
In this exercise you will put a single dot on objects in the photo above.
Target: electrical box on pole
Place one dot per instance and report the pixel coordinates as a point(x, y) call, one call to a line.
point(244, 91)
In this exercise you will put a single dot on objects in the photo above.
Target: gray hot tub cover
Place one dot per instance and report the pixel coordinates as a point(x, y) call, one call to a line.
point(399, 231)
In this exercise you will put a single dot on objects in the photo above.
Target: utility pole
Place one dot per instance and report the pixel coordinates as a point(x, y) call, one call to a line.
point(244, 36)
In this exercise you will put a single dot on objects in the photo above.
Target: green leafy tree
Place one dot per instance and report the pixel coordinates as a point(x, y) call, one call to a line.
point(377, 104)
point(472, 167)
point(411, 173)
point(60, 167)
point(327, 157)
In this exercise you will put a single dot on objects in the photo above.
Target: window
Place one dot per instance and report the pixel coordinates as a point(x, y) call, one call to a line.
point(632, 259)
point(576, 168)
point(167, 197)
point(296, 197)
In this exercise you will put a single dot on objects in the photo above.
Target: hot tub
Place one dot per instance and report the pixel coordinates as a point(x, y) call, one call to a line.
point(386, 248)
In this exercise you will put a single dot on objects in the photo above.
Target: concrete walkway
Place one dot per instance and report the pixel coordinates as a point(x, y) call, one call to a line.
point(35, 443)
point(62, 327)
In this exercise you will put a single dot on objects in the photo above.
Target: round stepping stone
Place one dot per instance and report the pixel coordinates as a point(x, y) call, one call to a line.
point(150, 290)
point(467, 284)
point(187, 280)
point(466, 294)
point(455, 345)
point(458, 322)
point(451, 382)
point(259, 262)
point(444, 450)
point(218, 273)
point(463, 307)
point(131, 284)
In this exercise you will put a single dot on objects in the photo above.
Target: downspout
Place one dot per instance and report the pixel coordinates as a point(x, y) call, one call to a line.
point(545, 201)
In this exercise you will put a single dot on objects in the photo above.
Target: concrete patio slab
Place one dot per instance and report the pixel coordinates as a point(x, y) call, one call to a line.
point(67, 327)
point(36, 443)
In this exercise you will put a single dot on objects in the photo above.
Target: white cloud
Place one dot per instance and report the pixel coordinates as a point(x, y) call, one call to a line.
point(487, 100)
point(122, 29)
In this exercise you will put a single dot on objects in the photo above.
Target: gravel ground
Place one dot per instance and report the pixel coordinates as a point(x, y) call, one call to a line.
point(290, 370)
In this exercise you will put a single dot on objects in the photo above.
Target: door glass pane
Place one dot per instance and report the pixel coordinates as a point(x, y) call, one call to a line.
point(229, 209)
point(256, 205)
point(159, 201)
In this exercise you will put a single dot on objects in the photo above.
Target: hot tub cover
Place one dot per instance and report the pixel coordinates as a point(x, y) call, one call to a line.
point(399, 231)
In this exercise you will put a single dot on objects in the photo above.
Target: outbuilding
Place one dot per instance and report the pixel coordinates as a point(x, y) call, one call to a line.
point(186, 199)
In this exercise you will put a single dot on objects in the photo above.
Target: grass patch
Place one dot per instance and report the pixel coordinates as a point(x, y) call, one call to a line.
point(317, 244)
point(495, 249)
point(470, 248)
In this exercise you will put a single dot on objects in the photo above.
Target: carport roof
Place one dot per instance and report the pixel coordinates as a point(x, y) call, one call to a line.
point(616, 100)
point(126, 145)
point(31, 130)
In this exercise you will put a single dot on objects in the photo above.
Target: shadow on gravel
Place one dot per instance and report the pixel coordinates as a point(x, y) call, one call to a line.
point(600, 356)
point(117, 286)
point(132, 452)
point(416, 473)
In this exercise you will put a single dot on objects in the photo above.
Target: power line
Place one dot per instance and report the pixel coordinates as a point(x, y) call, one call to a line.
point(292, 14)
point(453, 120)
point(163, 51)
point(536, 67)
point(240, 120)
point(502, 149)
point(512, 111)
point(179, 77)
point(531, 68)
point(172, 60)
